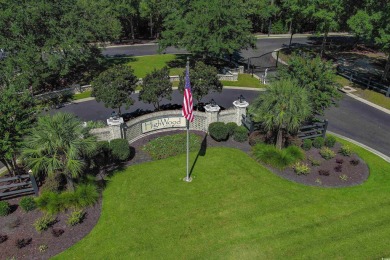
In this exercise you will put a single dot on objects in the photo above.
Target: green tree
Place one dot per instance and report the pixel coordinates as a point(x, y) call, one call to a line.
point(58, 144)
point(52, 44)
point(208, 27)
point(361, 25)
point(17, 115)
point(326, 15)
point(114, 86)
point(283, 107)
point(318, 77)
point(156, 86)
point(127, 13)
point(203, 80)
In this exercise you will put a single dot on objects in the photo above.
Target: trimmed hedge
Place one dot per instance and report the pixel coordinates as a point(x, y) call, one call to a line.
point(231, 126)
point(330, 141)
point(240, 134)
point(219, 131)
point(120, 149)
point(307, 144)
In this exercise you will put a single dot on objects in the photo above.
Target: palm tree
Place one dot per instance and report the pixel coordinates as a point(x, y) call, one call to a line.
point(283, 107)
point(57, 145)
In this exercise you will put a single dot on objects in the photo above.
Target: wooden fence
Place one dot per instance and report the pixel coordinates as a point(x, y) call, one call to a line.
point(307, 131)
point(369, 83)
point(18, 185)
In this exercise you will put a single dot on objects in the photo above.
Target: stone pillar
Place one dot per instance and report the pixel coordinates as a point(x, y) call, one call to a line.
point(211, 114)
point(115, 126)
point(240, 108)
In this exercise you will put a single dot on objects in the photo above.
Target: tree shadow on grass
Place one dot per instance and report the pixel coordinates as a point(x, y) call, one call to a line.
point(201, 152)
point(117, 60)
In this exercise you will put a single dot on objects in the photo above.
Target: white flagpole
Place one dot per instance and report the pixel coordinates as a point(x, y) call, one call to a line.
point(188, 178)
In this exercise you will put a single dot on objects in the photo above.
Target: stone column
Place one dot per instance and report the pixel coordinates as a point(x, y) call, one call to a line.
point(240, 108)
point(211, 114)
point(115, 126)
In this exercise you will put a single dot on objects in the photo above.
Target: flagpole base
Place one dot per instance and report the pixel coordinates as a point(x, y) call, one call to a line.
point(189, 179)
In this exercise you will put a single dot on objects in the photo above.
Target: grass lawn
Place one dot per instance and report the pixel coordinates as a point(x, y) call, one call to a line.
point(237, 209)
point(244, 80)
point(85, 94)
point(373, 96)
point(142, 65)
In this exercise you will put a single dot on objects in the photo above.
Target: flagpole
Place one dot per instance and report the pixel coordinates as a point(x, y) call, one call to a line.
point(188, 178)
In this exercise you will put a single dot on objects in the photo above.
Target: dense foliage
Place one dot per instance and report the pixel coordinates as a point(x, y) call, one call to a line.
point(284, 107)
point(219, 131)
point(155, 87)
point(114, 86)
point(27, 203)
point(17, 115)
point(203, 81)
point(5, 208)
point(120, 149)
point(240, 134)
point(171, 145)
point(277, 158)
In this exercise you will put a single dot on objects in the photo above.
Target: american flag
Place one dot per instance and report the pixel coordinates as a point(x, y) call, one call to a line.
point(188, 111)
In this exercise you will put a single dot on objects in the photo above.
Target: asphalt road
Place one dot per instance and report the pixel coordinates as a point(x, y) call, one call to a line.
point(351, 118)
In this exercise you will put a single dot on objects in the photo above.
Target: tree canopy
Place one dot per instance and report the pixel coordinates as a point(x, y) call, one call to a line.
point(52, 43)
point(208, 27)
point(17, 115)
point(283, 107)
point(203, 79)
point(156, 86)
point(114, 86)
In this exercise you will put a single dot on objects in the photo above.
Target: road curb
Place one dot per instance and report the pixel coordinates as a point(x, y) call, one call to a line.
point(377, 153)
point(387, 111)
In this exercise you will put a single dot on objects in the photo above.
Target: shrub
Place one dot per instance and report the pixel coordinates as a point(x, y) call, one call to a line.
point(326, 153)
point(120, 149)
point(76, 217)
point(57, 232)
point(270, 155)
point(27, 203)
point(240, 134)
point(330, 141)
point(171, 145)
point(338, 168)
point(52, 184)
point(218, 131)
point(231, 126)
point(43, 223)
point(20, 243)
point(354, 162)
point(343, 177)
point(293, 140)
point(307, 143)
point(256, 137)
point(295, 152)
point(318, 142)
point(314, 162)
point(345, 150)
point(323, 172)
point(301, 168)
point(5, 208)
point(85, 195)
point(339, 161)
point(43, 248)
point(3, 238)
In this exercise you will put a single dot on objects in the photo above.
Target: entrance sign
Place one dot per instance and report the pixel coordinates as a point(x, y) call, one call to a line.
point(161, 123)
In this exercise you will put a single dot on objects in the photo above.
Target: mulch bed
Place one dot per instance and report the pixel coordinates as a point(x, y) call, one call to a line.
point(356, 174)
point(25, 230)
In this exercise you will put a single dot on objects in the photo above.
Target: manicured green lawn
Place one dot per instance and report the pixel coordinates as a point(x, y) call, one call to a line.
point(237, 209)
point(142, 65)
point(85, 94)
point(244, 80)
point(373, 96)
